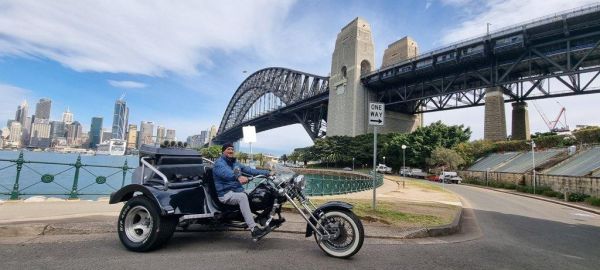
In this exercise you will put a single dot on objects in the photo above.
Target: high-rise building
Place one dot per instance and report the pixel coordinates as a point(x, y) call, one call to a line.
point(160, 134)
point(21, 114)
point(67, 117)
point(121, 115)
point(57, 129)
point(204, 136)
point(40, 133)
point(95, 132)
point(171, 135)
point(74, 132)
point(106, 134)
point(16, 135)
point(146, 131)
point(42, 108)
point(195, 141)
point(212, 133)
point(132, 135)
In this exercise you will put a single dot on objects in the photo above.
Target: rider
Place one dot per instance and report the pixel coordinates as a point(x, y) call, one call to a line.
point(227, 174)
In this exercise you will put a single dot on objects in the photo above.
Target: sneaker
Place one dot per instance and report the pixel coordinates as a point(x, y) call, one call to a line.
point(258, 233)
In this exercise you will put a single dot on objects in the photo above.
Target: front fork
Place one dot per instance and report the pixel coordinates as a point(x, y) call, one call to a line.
point(306, 210)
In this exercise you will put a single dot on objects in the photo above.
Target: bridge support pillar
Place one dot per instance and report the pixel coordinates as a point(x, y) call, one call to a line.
point(495, 119)
point(354, 55)
point(520, 122)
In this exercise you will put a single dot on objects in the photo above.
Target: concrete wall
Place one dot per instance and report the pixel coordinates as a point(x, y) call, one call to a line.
point(520, 122)
point(571, 184)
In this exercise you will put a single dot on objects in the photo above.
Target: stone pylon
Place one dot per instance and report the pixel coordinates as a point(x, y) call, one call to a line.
point(354, 55)
point(495, 119)
point(520, 122)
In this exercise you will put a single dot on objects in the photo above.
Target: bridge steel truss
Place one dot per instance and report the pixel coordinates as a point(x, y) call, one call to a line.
point(563, 49)
point(303, 99)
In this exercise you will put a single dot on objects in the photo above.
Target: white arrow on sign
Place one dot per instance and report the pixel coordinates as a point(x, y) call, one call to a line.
point(376, 113)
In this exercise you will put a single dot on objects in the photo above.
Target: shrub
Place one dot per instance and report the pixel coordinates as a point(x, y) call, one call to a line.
point(543, 189)
point(595, 201)
point(577, 197)
point(526, 189)
point(552, 193)
point(510, 186)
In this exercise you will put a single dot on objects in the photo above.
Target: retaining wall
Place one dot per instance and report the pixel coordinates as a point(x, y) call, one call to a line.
point(560, 183)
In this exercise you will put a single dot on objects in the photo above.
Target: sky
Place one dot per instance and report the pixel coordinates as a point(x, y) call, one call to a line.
point(178, 63)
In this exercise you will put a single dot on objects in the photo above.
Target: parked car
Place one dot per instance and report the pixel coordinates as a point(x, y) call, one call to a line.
point(417, 173)
point(381, 168)
point(450, 177)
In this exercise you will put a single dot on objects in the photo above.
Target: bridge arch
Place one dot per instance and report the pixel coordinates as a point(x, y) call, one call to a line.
point(289, 87)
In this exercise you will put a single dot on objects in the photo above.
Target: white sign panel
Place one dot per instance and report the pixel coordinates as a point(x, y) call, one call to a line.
point(249, 134)
point(376, 113)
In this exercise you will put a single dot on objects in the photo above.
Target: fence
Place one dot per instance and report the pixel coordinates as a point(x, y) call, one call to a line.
point(73, 191)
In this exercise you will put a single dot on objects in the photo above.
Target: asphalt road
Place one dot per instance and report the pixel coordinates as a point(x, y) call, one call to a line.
point(501, 231)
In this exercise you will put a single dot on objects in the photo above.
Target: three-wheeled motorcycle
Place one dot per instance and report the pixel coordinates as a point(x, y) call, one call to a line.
point(173, 186)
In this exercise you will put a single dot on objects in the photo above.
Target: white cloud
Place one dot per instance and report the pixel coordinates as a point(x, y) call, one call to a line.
point(136, 37)
point(12, 96)
point(428, 4)
point(127, 84)
point(504, 13)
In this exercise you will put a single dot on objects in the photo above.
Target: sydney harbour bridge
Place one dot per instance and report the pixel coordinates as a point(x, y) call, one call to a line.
point(514, 64)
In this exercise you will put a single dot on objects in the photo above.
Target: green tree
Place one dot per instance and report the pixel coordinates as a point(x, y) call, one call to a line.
point(284, 158)
point(241, 156)
point(446, 158)
point(211, 152)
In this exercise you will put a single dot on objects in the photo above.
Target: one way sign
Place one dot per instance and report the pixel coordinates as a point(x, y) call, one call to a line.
point(376, 113)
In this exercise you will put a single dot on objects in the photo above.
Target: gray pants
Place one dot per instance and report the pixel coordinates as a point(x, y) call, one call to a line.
point(241, 199)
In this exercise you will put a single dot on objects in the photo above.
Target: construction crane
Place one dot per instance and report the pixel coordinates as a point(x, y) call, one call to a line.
point(553, 126)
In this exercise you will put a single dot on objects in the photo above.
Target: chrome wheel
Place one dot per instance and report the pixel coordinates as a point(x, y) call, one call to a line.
point(138, 224)
point(344, 234)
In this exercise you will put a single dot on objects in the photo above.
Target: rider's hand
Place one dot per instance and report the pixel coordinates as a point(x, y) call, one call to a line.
point(271, 173)
point(243, 179)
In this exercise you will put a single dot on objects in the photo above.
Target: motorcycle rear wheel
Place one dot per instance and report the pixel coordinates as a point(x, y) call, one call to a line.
point(348, 231)
point(141, 227)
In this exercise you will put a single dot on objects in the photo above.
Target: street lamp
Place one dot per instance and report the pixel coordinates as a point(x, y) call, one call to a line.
point(403, 161)
point(383, 159)
point(533, 162)
point(353, 163)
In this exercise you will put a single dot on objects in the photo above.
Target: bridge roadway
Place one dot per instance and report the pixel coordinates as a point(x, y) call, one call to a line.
point(501, 231)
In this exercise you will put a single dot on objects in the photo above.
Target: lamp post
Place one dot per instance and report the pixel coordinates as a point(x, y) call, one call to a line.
point(353, 163)
point(384, 160)
point(488, 28)
point(533, 162)
point(403, 161)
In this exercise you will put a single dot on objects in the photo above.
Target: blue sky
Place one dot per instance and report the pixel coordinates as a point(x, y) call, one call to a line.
point(179, 62)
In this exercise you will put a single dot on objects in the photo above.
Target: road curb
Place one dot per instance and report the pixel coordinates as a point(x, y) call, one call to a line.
point(540, 198)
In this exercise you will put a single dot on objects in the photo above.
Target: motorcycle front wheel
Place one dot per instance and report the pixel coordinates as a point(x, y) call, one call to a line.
point(346, 230)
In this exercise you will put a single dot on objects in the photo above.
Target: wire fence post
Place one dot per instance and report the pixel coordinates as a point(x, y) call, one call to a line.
point(14, 195)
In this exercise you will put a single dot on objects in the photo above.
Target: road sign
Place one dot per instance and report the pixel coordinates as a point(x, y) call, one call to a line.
point(376, 113)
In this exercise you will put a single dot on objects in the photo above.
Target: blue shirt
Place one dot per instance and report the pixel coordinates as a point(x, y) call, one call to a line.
point(226, 176)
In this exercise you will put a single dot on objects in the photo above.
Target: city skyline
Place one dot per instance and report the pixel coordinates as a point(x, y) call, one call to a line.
point(185, 79)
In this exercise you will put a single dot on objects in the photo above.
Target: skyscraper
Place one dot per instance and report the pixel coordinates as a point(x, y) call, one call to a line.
point(67, 117)
point(212, 134)
point(74, 131)
point(21, 114)
point(121, 115)
point(171, 134)
point(160, 134)
point(40, 133)
point(132, 135)
point(95, 132)
point(14, 139)
point(42, 109)
point(146, 131)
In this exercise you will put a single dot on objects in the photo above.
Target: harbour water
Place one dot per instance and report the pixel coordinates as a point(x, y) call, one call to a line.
point(30, 178)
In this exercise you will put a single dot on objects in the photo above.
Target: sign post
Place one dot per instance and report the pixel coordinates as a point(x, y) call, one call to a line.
point(376, 118)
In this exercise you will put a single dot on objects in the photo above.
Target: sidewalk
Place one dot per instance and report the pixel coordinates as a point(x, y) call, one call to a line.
point(51, 217)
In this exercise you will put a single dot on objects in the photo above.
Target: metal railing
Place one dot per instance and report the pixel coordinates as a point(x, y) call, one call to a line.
point(327, 184)
point(74, 191)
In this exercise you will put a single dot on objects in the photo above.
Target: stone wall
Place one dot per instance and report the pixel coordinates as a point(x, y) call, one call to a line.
point(571, 184)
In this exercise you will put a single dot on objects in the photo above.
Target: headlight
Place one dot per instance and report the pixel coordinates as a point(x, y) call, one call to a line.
point(299, 182)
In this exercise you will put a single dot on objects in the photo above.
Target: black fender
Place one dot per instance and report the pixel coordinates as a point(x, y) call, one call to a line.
point(333, 205)
point(160, 198)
